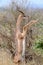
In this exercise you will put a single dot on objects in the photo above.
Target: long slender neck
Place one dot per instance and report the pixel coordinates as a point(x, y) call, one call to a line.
point(20, 18)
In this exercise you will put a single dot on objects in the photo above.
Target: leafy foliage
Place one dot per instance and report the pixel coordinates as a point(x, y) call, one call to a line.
point(39, 44)
point(38, 47)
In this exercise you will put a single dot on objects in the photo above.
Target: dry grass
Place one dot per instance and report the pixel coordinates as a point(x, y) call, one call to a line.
point(7, 26)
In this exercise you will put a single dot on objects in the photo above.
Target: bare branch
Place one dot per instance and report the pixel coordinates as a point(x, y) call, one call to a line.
point(5, 36)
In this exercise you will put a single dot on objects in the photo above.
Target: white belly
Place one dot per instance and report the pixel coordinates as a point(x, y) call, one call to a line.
point(23, 48)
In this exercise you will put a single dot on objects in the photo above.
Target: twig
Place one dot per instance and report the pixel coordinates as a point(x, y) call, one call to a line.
point(9, 38)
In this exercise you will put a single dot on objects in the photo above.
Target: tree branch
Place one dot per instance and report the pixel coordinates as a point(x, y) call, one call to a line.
point(9, 38)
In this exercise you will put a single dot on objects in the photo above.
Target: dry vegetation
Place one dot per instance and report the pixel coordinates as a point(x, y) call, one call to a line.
point(34, 56)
